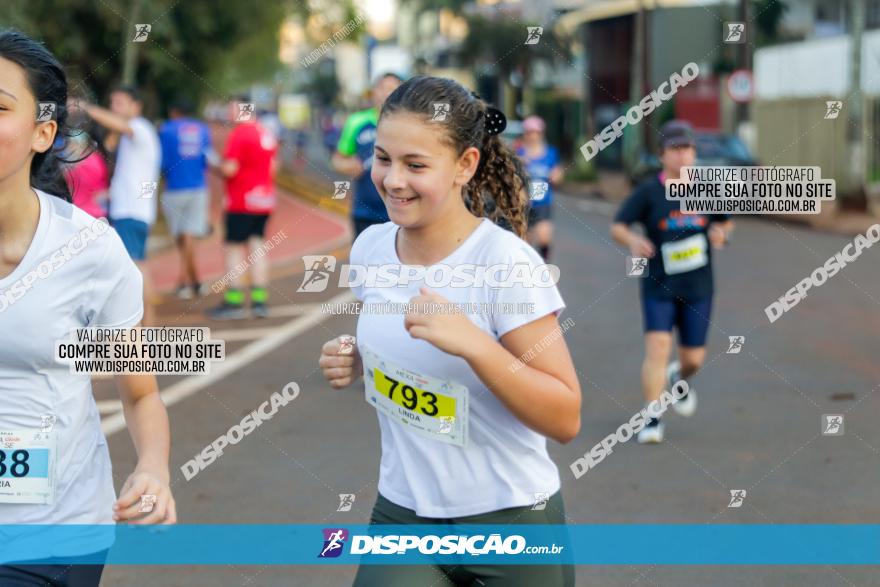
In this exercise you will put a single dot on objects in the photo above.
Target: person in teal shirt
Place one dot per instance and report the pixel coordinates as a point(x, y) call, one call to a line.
point(354, 156)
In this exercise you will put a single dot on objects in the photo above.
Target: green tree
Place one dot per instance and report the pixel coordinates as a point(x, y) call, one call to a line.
point(767, 15)
point(195, 48)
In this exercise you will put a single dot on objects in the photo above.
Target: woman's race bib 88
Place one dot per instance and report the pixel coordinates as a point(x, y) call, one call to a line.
point(27, 466)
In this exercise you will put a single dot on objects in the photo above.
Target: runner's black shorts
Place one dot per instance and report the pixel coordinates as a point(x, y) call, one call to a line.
point(539, 213)
point(690, 317)
point(472, 572)
point(240, 227)
point(73, 572)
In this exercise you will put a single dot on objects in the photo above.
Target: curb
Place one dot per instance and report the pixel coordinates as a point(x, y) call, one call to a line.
point(314, 191)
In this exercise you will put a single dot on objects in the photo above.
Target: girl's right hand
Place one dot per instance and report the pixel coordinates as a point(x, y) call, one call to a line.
point(340, 361)
point(639, 246)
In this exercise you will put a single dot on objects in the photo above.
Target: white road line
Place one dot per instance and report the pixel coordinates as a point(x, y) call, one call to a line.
point(603, 208)
point(109, 406)
point(255, 350)
point(293, 310)
point(243, 334)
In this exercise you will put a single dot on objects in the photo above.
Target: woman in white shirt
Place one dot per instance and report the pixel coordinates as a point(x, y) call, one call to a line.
point(465, 402)
point(60, 269)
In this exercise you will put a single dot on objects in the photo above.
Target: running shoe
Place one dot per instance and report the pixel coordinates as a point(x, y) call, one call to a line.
point(687, 405)
point(184, 292)
point(201, 290)
point(227, 312)
point(652, 433)
point(260, 311)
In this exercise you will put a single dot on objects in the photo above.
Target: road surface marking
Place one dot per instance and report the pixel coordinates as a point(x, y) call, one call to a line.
point(109, 406)
point(255, 350)
point(603, 208)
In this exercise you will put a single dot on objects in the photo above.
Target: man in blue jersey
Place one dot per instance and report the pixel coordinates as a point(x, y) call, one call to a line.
point(185, 145)
point(354, 156)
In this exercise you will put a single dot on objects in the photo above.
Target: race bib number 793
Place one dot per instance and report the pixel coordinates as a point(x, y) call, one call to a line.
point(426, 405)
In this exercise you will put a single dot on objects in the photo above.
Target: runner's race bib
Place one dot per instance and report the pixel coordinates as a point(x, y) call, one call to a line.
point(685, 255)
point(27, 466)
point(260, 198)
point(425, 405)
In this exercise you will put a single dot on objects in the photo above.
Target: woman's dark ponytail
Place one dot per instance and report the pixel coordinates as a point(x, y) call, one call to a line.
point(48, 84)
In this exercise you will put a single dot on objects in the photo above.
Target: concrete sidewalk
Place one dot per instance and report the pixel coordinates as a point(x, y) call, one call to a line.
point(306, 229)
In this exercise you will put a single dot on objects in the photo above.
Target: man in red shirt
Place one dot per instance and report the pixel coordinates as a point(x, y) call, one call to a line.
point(248, 166)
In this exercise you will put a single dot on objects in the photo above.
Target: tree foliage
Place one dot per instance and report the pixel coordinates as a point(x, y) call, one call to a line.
point(199, 48)
point(499, 43)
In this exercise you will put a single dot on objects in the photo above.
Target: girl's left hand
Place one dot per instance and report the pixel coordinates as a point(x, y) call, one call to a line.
point(450, 332)
point(717, 236)
point(136, 509)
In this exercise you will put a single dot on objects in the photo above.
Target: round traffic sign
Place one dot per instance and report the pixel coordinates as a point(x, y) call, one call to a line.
point(741, 86)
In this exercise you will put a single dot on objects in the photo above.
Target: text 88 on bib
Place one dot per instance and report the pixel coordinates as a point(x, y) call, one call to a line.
point(428, 406)
point(27, 467)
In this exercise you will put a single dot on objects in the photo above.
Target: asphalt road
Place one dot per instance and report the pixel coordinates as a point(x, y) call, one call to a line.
point(757, 427)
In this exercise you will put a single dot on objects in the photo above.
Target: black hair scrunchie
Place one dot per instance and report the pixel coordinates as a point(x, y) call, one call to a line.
point(496, 122)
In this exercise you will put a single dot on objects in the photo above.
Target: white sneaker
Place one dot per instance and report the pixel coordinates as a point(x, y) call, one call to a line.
point(651, 434)
point(687, 405)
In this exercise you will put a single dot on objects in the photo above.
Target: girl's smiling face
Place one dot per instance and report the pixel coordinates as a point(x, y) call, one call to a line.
point(20, 133)
point(416, 170)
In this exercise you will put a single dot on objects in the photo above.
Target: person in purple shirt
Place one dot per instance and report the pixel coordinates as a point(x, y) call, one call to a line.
point(186, 144)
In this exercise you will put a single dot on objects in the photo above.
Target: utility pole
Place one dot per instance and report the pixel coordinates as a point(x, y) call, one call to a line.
point(129, 56)
point(637, 76)
point(855, 100)
point(744, 54)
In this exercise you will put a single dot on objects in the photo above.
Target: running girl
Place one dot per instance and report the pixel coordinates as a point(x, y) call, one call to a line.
point(44, 405)
point(463, 425)
point(542, 164)
point(679, 287)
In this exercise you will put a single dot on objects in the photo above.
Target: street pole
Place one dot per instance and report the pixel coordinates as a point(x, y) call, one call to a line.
point(637, 76)
point(744, 56)
point(854, 102)
point(129, 56)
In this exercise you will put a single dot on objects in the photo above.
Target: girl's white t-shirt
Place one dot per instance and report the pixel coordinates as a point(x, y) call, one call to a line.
point(504, 463)
point(62, 284)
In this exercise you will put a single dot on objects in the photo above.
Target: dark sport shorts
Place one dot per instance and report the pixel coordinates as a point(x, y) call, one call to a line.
point(471, 572)
point(690, 317)
point(240, 227)
point(74, 572)
point(538, 214)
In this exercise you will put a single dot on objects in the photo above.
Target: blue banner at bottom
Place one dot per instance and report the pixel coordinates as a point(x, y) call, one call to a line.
point(610, 544)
